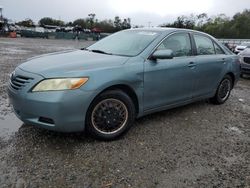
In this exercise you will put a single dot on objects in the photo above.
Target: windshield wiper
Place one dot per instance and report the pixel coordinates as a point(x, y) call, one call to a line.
point(85, 49)
point(101, 52)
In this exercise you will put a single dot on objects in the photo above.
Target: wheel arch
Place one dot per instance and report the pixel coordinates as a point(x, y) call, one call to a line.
point(126, 89)
point(233, 78)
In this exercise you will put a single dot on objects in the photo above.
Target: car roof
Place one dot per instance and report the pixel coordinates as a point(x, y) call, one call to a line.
point(155, 29)
point(167, 30)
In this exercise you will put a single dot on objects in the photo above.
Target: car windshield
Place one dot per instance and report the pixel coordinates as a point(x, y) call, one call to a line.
point(125, 43)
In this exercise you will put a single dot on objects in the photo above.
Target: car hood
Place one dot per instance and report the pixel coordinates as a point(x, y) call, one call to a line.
point(71, 63)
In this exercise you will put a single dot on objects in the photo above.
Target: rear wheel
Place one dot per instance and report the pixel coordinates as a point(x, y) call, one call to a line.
point(223, 91)
point(110, 115)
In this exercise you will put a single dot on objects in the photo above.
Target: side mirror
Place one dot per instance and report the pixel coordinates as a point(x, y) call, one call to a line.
point(163, 54)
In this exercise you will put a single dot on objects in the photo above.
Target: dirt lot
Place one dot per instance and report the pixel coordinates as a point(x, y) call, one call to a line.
point(198, 145)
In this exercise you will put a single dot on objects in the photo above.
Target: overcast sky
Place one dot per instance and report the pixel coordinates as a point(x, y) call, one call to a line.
point(140, 11)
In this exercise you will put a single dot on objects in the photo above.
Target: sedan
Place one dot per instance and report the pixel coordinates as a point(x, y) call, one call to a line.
point(102, 89)
point(241, 47)
point(245, 61)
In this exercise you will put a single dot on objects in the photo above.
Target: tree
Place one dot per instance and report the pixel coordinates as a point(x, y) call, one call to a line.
point(91, 19)
point(241, 24)
point(117, 23)
point(220, 26)
point(89, 22)
point(106, 26)
point(26, 23)
point(201, 19)
point(80, 22)
point(126, 23)
point(51, 21)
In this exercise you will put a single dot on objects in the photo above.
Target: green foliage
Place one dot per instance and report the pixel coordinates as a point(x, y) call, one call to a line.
point(80, 22)
point(26, 23)
point(183, 22)
point(51, 21)
point(120, 25)
point(219, 26)
point(91, 19)
point(108, 26)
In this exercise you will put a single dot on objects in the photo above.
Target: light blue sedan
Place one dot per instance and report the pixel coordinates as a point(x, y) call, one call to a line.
point(132, 73)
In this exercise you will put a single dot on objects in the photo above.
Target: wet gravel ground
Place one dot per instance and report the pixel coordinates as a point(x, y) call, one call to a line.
point(198, 145)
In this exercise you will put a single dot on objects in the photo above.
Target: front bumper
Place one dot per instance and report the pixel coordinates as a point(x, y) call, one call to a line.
point(65, 110)
point(245, 68)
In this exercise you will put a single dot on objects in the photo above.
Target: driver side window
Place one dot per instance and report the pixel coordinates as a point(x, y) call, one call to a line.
point(179, 43)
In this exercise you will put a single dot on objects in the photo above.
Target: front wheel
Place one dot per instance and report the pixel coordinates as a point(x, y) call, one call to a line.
point(110, 115)
point(223, 91)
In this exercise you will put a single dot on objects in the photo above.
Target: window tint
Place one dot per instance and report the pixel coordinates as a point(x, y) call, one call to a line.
point(218, 50)
point(179, 43)
point(204, 45)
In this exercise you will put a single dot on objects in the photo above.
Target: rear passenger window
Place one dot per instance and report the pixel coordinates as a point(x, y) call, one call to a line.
point(218, 50)
point(179, 43)
point(204, 45)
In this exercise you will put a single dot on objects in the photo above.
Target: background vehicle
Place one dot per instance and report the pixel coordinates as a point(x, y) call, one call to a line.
point(245, 61)
point(129, 74)
point(241, 47)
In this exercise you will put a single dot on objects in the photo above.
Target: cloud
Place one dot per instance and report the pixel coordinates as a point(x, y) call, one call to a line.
point(140, 11)
point(160, 7)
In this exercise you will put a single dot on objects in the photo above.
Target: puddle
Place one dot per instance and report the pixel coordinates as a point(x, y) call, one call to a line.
point(9, 124)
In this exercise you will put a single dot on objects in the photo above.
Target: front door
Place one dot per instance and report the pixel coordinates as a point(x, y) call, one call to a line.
point(170, 81)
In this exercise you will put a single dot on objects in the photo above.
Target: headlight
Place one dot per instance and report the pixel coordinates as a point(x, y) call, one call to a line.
point(60, 84)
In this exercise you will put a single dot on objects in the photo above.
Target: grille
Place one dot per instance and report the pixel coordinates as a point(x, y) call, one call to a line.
point(245, 70)
point(18, 82)
point(247, 60)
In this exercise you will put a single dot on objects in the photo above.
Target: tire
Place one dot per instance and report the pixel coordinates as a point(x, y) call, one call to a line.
point(110, 115)
point(223, 91)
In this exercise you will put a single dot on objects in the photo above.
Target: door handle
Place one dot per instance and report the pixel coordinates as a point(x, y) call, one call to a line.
point(191, 64)
point(223, 60)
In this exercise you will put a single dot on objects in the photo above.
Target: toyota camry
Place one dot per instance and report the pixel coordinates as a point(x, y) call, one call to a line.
point(103, 88)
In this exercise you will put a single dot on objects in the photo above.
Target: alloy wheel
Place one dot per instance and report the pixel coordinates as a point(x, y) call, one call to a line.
point(109, 116)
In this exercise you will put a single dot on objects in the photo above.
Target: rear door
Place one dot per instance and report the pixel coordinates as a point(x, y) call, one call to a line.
point(211, 65)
